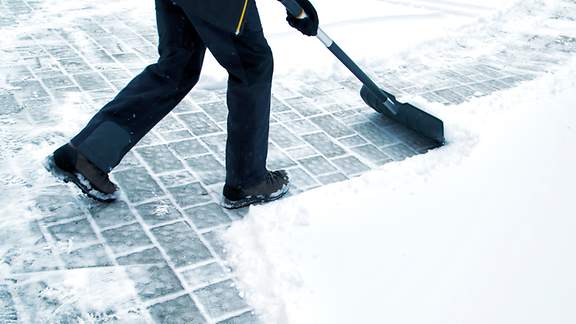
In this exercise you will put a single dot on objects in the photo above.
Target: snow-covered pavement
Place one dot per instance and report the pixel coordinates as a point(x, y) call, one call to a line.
point(158, 255)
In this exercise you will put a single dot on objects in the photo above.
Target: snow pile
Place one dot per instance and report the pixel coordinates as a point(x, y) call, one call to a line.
point(480, 231)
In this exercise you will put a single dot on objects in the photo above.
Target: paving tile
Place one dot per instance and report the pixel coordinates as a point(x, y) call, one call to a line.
point(374, 134)
point(110, 215)
point(350, 165)
point(207, 168)
point(8, 313)
point(371, 153)
point(216, 143)
point(214, 238)
point(190, 194)
point(181, 310)
point(298, 153)
point(332, 178)
point(181, 244)
point(77, 232)
point(153, 280)
point(278, 159)
point(332, 126)
point(205, 275)
point(301, 126)
point(158, 212)
point(323, 144)
point(178, 178)
point(217, 110)
point(206, 216)
point(159, 158)
point(301, 179)
point(126, 238)
point(351, 141)
point(169, 123)
point(282, 137)
point(188, 148)
point(199, 123)
point(90, 81)
point(138, 185)
point(317, 165)
point(178, 135)
point(399, 152)
point(92, 256)
point(221, 298)
point(146, 257)
point(304, 106)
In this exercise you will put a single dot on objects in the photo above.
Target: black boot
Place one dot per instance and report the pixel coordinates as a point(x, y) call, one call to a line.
point(69, 165)
point(275, 186)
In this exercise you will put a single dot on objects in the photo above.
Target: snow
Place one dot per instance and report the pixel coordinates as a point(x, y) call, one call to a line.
point(479, 231)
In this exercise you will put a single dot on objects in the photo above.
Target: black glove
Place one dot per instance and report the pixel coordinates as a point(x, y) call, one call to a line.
point(307, 26)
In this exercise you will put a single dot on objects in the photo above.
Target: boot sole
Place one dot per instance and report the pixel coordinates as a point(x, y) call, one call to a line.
point(68, 177)
point(252, 200)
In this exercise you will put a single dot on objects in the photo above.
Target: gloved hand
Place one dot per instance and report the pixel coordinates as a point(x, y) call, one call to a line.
point(307, 26)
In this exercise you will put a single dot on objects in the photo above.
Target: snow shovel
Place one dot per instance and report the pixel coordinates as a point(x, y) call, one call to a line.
point(419, 121)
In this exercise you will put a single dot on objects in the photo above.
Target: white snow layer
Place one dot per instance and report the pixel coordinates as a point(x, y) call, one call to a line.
point(479, 231)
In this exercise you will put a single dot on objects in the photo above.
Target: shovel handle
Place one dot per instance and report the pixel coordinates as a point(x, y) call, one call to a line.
point(294, 9)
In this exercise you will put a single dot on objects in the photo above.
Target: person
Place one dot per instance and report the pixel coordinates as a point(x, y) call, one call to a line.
point(231, 30)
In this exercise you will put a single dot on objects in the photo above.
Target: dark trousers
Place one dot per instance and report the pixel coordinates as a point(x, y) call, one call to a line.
point(183, 39)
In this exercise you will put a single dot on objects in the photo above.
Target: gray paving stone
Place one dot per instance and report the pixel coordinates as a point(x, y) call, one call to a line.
point(159, 158)
point(215, 240)
point(371, 153)
point(206, 216)
point(181, 244)
point(8, 313)
point(351, 141)
point(281, 136)
point(190, 194)
point(323, 144)
point(286, 116)
point(298, 153)
point(153, 280)
point(129, 161)
point(92, 256)
point(399, 152)
point(138, 185)
point(207, 168)
point(216, 143)
point(304, 106)
point(350, 165)
point(90, 81)
point(199, 123)
point(278, 106)
point(317, 165)
point(188, 148)
point(181, 310)
point(168, 124)
point(145, 257)
point(332, 126)
point(204, 275)
point(277, 159)
point(149, 139)
point(301, 179)
point(245, 318)
point(374, 134)
point(77, 232)
point(217, 110)
point(111, 215)
point(179, 135)
point(178, 178)
point(301, 126)
point(221, 298)
point(126, 238)
point(332, 178)
point(8, 105)
point(158, 212)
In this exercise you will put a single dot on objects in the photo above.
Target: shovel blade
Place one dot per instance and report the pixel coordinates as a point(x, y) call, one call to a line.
point(405, 114)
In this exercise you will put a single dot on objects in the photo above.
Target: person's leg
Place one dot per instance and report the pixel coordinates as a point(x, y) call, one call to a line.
point(248, 60)
point(149, 97)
